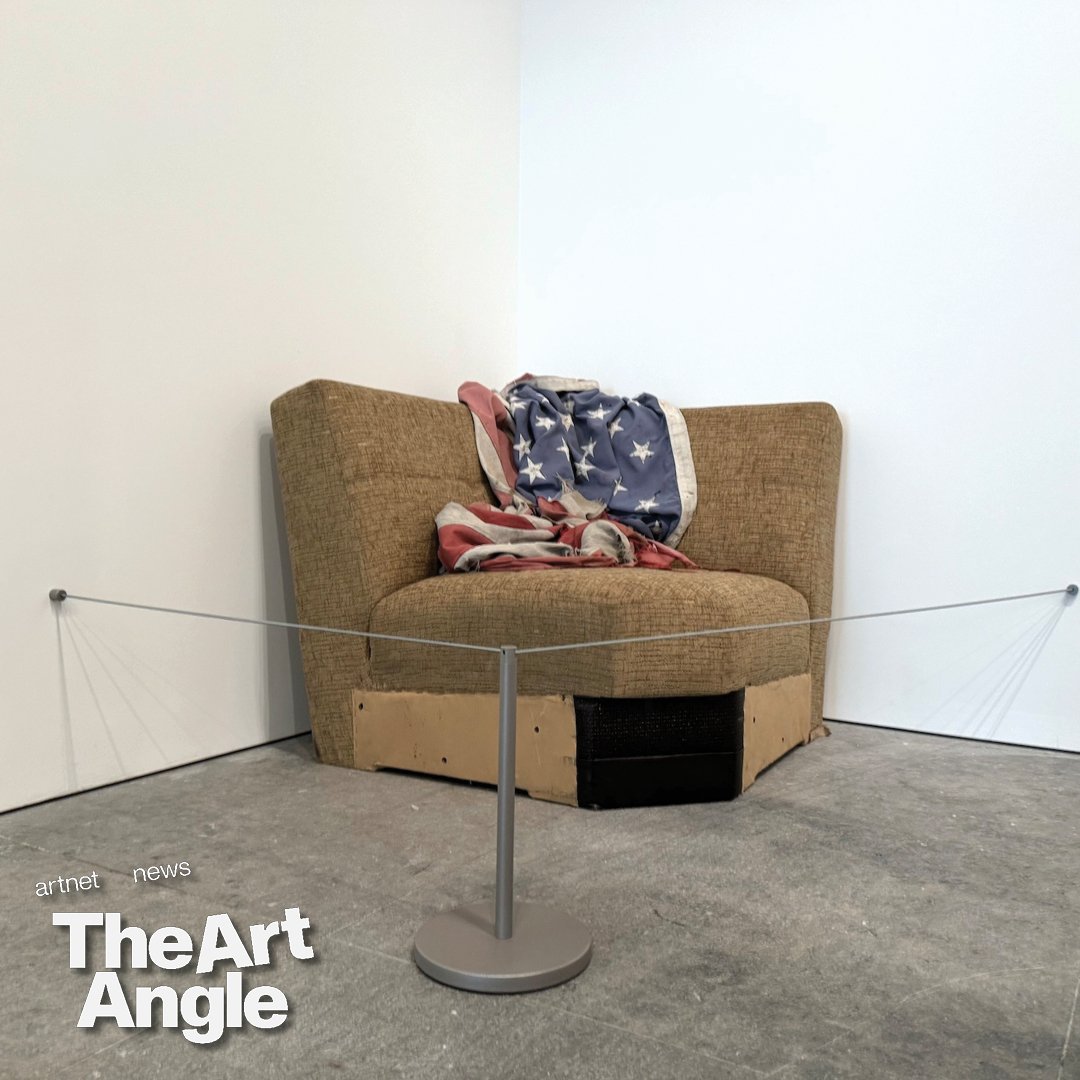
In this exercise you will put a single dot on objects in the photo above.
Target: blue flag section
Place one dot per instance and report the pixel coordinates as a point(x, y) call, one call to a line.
point(632, 455)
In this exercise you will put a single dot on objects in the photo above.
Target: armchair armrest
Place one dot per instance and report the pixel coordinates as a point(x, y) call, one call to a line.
point(360, 493)
point(767, 478)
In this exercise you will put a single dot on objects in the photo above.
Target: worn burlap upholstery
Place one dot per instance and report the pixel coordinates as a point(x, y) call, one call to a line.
point(536, 608)
point(363, 473)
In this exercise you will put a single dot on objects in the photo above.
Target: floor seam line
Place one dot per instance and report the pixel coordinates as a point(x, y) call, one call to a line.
point(653, 1039)
point(23, 843)
point(1068, 1032)
point(376, 952)
point(64, 855)
point(103, 1050)
point(861, 1028)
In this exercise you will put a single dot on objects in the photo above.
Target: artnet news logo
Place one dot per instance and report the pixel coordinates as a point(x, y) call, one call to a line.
point(206, 1010)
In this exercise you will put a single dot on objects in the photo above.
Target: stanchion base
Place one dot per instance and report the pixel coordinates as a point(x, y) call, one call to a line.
point(459, 948)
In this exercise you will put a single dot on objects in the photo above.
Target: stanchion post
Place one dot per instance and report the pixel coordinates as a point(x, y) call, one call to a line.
point(504, 840)
point(503, 948)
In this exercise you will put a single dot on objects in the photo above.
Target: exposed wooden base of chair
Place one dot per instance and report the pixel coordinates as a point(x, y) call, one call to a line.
point(776, 719)
point(455, 735)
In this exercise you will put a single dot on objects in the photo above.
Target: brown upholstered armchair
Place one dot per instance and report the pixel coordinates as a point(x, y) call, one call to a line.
point(363, 473)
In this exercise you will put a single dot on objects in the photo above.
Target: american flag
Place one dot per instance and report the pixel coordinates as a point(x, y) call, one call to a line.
point(542, 438)
point(480, 537)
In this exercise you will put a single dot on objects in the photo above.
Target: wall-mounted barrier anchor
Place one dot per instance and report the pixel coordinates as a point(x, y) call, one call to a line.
point(58, 595)
point(1070, 593)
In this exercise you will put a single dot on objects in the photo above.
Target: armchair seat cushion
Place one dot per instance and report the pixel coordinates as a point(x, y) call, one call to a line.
point(559, 606)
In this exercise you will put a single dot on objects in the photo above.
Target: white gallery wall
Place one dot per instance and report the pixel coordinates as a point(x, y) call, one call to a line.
point(875, 204)
point(201, 206)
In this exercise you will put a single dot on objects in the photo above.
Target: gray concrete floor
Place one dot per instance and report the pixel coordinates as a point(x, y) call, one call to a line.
point(878, 905)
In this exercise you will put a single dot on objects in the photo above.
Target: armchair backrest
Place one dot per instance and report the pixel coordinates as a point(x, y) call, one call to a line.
point(767, 488)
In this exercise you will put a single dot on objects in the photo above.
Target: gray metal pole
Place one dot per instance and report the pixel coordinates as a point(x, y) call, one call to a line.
point(546, 946)
point(504, 842)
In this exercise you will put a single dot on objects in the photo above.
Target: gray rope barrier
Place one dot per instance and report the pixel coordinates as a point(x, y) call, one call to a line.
point(1069, 592)
point(527, 946)
point(60, 595)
